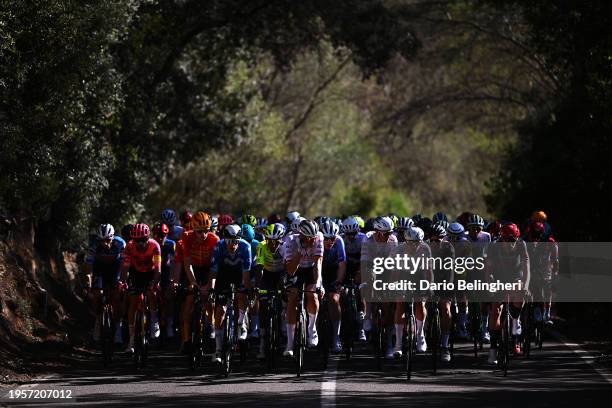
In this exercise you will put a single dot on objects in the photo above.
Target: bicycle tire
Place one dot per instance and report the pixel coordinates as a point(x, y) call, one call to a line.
point(139, 340)
point(349, 325)
point(299, 345)
point(379, 339)
point(107, 335)
point(410, 347)
point(435, 338)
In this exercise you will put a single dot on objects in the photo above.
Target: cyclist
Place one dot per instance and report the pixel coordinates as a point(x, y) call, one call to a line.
point(214, 225)
point(103, 263)
point(379, 244)
point(439, 216)
point(142, 264)
point(198, 247)
point(186, 218)
point(270, 270)
point(494, 228)
point(291, 216)
point(303, 255)
point(414, 246)
point(539, 216)
point(169, 218)
point(462, 246)
point(353, 238)
point(168, 250)
point(224, 220)
point(544, 259)
point(463, 218)
point(480, 241)
point(333, 273)
point(231, 265)
point(443, 250)
point(248, 234)
point(508, 262)
point(260, 227)
point(403, 223)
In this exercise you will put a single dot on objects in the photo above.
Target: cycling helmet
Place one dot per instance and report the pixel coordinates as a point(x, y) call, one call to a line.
point(225, 219)
point(476, 220)
point(414, 234)
point(261, 224)
point(274, 218)
point(437, 230)
point(295, 224)
point(322, 219)
point(439, 216)
point(248, 219)
point(510, 231)
point(537, 228)
point(382, 224)
point(350, 225)
point(247, 232)
point(539, 216)
point(403, 223)
point(168, 217)
point(292, 215)
point(160, 229)
point(231, 231)
point(493, 228)
point(140, 231)
point(456, 228)
point(275, 231)
point(329, 229)
point(463, 218)
point(106, 231)
point(214, 223)
point(424, 223)
point(201, 221)
point(360, 221)
point(444, 224)
point(186, 217)
point(393, 218)
point(308, 228)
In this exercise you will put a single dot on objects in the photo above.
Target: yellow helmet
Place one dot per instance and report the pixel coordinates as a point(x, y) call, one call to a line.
point(539, 216)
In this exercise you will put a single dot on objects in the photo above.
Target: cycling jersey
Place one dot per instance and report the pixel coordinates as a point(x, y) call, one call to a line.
point(442, 250)
point(294, 248)
point(352, 247)
point(270, 261)
point(371, 248)
point(142, 261)
point(254, 244)
point(331, 260)
point(176, 232)
point(106, 262)
point(229, 267)
point(543, 257)
point(168, 250)
point(508, 263)
point(199, 250)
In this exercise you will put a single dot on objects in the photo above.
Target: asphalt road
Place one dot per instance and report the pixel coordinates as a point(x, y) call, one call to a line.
point(561, 375)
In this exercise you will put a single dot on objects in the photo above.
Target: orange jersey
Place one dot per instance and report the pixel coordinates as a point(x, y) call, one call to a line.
point(142, 261)
point(200, 251)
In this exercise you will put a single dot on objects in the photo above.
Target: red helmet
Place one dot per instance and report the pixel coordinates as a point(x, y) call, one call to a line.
point(140, 231)
point(494, 228)
point(537, 228)
point(510, 231)
point(160, 229)
point(464, 218)
point(225, 219)
point(274, 218)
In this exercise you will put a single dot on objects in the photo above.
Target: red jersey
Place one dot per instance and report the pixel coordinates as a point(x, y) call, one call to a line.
point(142, 261)
point(178, 252)
point(200, 250)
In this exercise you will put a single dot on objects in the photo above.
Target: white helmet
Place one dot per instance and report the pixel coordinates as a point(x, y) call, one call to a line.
point(106, 231)
point(275, 231)
point(308, 228)
point(329, 229)
point(383, 224)
point(232, 231)
point(350, 225)
point(292, 215)
point(296, 223)
point(414, 234)
point(403, 223)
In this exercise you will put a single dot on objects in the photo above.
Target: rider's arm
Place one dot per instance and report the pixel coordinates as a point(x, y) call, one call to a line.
point(247, 262)
point(214, 267)
point(187, 262)
point(525, 265)
point(318, 264)
point(341, 259)
point(156, 263)
point(292, 257)
point(127, 260)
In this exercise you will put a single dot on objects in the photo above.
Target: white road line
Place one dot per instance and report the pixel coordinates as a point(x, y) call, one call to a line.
point(328, 387)
point(586, 356)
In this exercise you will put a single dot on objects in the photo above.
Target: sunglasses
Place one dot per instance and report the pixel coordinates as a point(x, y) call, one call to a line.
point(231, 241)
point(141, 240)
point(329, 239)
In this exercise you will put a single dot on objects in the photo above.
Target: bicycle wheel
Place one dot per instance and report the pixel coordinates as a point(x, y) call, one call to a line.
point(300, 344)
point(475, 325)
point(504, 348)
point(349, 325)
point(227, 346)
point(195, 358)
point(139, 339)
point(378, 339)
point(435, 338)
point(270, 339)
point(107, 335)
point(409, 347)
point(527, 335)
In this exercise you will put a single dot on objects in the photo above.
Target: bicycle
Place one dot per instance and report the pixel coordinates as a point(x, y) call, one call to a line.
point(476, 332)
point(299, 344)
point(435, 332)
point(107, 329)
point(377, 337)
point(349, 317)
point(200, 331)
point(142, 331)
point(272, 325)
point(503, 351)
point(409, 340)
point(229, 324)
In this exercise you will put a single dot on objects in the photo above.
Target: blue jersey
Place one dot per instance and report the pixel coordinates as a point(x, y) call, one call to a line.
point(106, 260)
point(254, 245)
point(226, 263)
point(331, 259)
point(176, 232)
